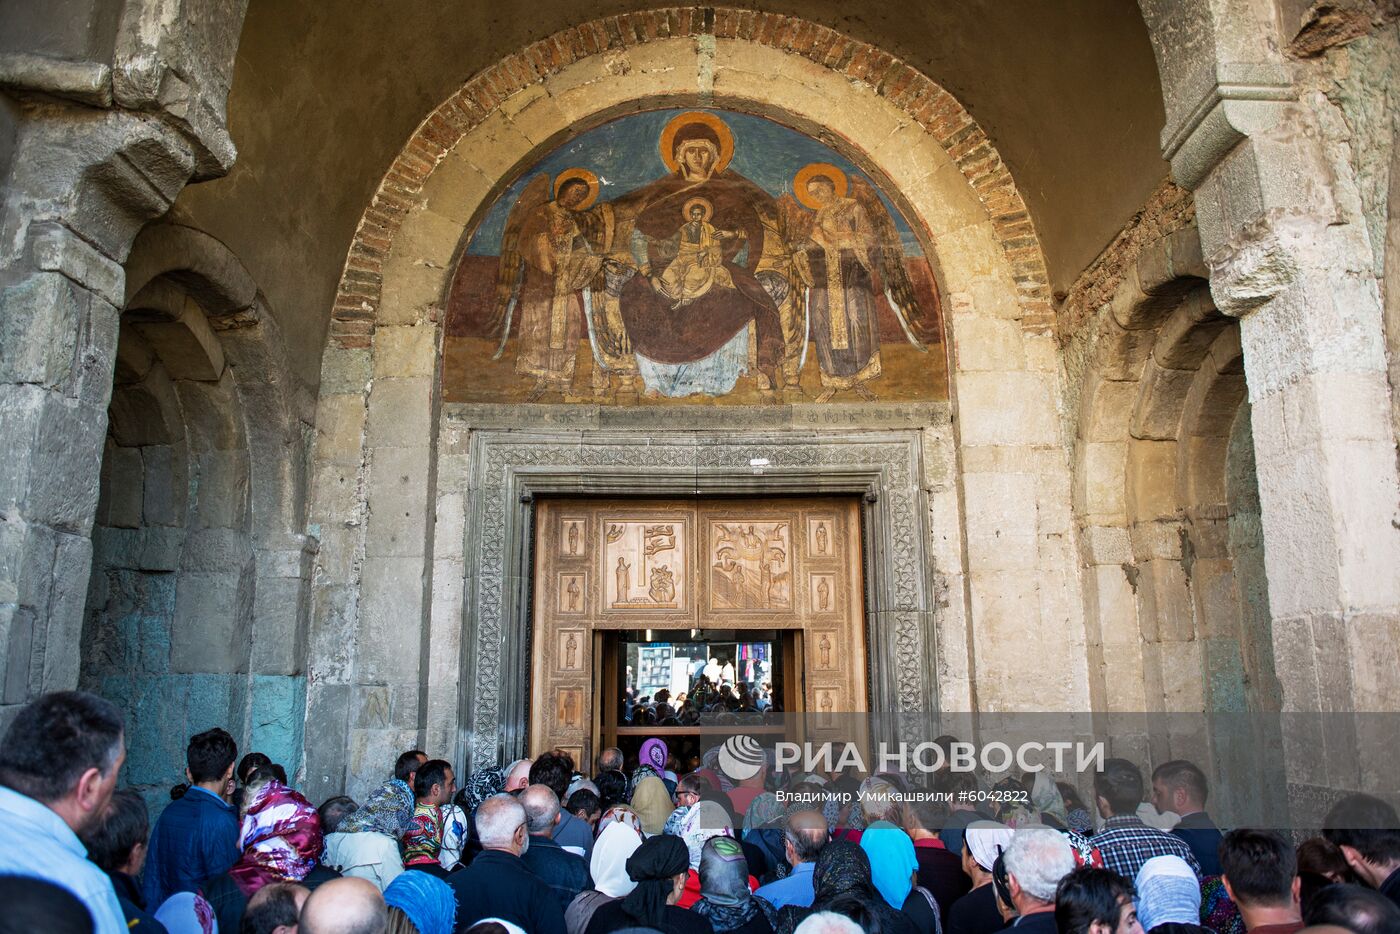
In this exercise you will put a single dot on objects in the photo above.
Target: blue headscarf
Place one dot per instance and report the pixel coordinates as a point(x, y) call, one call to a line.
point(425, 899)
point(892, 861)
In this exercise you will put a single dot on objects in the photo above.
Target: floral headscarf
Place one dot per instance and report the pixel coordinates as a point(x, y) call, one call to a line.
point(281, 839)
point(481, 785)
point(389, 810)
point(643, 771)
point(704, 820)
point(619, 814)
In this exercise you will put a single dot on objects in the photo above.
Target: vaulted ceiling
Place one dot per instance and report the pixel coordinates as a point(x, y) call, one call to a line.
point(325, 93)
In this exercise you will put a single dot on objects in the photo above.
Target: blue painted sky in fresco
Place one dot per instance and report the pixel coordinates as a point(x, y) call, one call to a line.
point(624, 156)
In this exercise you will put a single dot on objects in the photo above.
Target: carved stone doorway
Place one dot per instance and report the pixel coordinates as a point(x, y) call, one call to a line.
point(790, 567)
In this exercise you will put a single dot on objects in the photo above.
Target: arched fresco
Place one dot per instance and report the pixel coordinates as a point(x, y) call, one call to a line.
point(693, 256)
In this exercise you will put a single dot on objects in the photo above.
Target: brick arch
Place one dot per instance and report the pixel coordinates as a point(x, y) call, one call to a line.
point(923, 101)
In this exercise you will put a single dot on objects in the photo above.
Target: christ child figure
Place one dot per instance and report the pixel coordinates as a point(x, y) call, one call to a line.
point(699, 263)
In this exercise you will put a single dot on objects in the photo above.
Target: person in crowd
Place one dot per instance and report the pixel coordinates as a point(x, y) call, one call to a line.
point(456, 834)
point(690, 788)
point(977, 912)
point(250, 763)
point(1367, 831)
point(344, 906)
point(420, 903)
point(585, 806)
point(58, 771)
point(652, 802)
point(518, 776)
point(334, 810)
point(844, 885)
point(1077, 816)
point(707, 819)
point(828, 922)
point(35, 905)
point(1125, 842)
point(1180, 787)
point(610, 760)
point(746, 789)
point(959, 789)
point(407, 764)
point(281, 834)
point(434, 784)
point(366, 844)
point(608, 868)
point(803, 839)
point(659, 868)
point(1169, 897)
point(940, 871)
point(725, 898)
point(273, 909)
point(1091, 900)
point(1260, 872)
point(564, 872)
point(612, 790)
point(196, 836)
point(1036, 860)
point(894, 871)
point(1320, 864)
point(497, 883)
point(1354, 908)
point(117, 844)
point(554, 772)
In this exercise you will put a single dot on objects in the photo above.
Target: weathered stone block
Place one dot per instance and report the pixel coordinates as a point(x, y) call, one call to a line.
point(1007, 408)
point(400, 413)
point(399, 520)
point(1001, 520)
point(212, 617)
point(405, 350)
point(40, 320)
point(983, 343)
point(391, 620)
point(278, 718)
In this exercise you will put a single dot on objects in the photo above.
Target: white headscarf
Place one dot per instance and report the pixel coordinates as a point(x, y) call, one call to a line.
point(1167, 890)
point(985, 840)
point(608, 864)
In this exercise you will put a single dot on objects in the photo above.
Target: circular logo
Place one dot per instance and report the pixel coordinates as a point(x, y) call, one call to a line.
point(741, 757)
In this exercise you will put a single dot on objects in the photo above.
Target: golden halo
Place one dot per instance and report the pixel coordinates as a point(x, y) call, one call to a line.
point(583, 175)
point(817, 170)
point(721, 129)
point(704, 203)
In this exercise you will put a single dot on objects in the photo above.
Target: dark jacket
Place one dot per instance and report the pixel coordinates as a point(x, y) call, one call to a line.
point(229, 902)
point(499, 885)
point(196, 838)
point(1390, 888)
point(134, 906)
point(975, 913)
point(564, 873)
point(1203, 837)
point(941, 873)
point(1042, 922)
point(611, 917)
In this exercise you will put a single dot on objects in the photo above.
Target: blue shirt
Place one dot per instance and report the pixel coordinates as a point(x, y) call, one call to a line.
point(795, 889)
point(35, 842)
point(195, 839)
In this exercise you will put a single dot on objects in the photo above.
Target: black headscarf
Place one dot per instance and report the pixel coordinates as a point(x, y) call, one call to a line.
point(842, 881)
point(653, 866)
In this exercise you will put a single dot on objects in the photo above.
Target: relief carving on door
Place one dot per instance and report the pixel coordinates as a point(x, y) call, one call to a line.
point(691, 564)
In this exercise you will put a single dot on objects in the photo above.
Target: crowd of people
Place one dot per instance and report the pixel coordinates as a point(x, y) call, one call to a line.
point(542, 846)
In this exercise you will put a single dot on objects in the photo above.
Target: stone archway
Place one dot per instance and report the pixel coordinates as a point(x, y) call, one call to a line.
point(389, 601)
point(196, 606)
point(1164, 488)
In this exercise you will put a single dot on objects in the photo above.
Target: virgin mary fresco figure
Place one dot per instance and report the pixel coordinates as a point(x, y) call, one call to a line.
point(699, 277)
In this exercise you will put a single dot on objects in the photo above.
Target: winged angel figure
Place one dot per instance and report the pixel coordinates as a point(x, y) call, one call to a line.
point(843, 243)
point(552, 256)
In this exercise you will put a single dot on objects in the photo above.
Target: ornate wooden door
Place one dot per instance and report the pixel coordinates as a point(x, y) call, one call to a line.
point(600, 565)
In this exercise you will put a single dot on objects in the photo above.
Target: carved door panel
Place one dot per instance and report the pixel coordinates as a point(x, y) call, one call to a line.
point(788, 564)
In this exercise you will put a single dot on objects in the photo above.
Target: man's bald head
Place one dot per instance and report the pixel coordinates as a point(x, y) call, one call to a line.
point(274, 909)
point(806, 835)
point(500, 824)
point(541, 809)
point(345, 906)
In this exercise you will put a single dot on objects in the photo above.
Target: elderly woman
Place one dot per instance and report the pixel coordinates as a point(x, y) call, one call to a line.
point(843, 885)
point(608, 867)
point(725, 897)
point(658, 869)
point(366, 844)
point(894, 871)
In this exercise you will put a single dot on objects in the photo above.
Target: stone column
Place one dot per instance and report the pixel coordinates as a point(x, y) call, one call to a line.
point(1290, 255)
point(110, 114)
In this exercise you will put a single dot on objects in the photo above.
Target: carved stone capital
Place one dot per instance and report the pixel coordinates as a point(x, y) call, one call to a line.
point(1244, 99)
